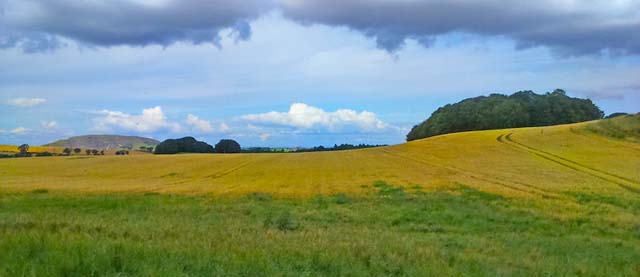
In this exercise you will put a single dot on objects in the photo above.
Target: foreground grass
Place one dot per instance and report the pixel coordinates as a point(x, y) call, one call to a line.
point(387, 231)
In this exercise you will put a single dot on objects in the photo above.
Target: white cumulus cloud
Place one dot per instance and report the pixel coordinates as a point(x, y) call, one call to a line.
point(203, 126)
point(19, 131)
point(303, 116)
point(224, 127)
point(150, 120)
point(26, 102)
point(264, 136)
point(198, 124)
point(48, 124)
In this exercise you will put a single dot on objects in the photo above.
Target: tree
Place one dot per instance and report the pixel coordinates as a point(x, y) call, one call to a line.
point(616, 115)
point(497, 111)
point(183, 145)
point(77, 150)
point(88, 151)
point(24, 148)
point(95, 152)
point(227, 146)
point(102, 152)
point(67, 151)
point(169, 146)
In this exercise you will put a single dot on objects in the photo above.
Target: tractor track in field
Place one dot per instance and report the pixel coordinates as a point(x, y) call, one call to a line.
point(532, 189)
point(223, 173)
point(621, 181)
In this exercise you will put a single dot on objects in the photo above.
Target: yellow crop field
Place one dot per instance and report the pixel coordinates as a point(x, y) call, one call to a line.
point(527, 162)
point(33, 149)
point(558, 201)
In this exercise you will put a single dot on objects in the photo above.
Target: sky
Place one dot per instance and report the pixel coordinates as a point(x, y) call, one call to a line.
point(286, 73)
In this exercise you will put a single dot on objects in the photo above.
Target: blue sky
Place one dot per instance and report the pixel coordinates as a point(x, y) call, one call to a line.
point(279, 73)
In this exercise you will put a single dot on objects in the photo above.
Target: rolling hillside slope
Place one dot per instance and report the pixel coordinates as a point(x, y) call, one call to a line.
point(528, 162)
point(105, 142)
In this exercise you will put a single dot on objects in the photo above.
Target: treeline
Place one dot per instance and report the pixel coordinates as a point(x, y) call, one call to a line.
point(498, 111)
point(339, 147)
point(191, 145)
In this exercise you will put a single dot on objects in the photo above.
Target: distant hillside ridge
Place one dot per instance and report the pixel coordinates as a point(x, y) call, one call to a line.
point(498, 111)
point(105, 142)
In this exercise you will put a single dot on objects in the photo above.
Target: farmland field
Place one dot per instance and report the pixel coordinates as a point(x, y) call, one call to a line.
point(559, 200)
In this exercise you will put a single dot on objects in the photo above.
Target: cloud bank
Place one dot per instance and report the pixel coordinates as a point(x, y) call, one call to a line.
point(19, 131)
point(568, 27)
point(26, 102)
point(151, 120)
point(199, 124)
point(48, 124)
point(305, 117)
point(38, 25)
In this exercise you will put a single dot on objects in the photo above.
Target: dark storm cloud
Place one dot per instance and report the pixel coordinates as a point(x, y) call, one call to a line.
point(569, 27)
point(35, 25)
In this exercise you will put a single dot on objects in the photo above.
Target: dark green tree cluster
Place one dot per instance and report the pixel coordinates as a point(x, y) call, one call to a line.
point(228, 146)
point(94, 152)
point(146, 149)
point(497, 111)
point(616, 115)
point(24, 151)
point(183, 145)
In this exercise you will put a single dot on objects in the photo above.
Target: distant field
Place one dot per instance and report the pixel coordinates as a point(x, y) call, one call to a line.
point(528, 162)
point(561, 200)
point(34, 149)
point(4, 148)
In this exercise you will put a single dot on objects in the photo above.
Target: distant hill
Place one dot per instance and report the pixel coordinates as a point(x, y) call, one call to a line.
point(105, 142)
point(498, 111)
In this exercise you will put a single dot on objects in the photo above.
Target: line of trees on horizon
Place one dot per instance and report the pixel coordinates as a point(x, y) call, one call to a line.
point(191, 145)
point(336, 147)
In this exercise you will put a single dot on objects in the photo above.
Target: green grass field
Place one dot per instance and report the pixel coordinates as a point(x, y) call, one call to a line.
point(558, 201)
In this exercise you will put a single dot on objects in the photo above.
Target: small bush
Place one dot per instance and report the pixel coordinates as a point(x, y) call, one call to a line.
point(321, 202)
point(260, 196)
point(341, 198)
point(40, 191)
point(286, 222)
point(472, 193)
point(389, 191)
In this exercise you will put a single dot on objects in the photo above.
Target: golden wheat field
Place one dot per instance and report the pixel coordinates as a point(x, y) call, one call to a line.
point(34, 149)
point(526, 162)
point(548, 201)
